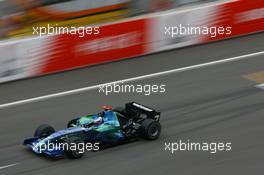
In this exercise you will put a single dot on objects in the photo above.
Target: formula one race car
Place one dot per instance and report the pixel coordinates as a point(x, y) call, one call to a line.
point(94, 132)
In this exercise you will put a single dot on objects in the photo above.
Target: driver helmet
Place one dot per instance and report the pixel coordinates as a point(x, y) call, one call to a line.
point(106, 108)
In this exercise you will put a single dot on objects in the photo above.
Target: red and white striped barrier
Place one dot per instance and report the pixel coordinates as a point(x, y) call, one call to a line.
point(130, 38)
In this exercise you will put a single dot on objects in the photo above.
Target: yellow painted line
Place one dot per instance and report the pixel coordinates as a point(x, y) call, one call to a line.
point(257, 77)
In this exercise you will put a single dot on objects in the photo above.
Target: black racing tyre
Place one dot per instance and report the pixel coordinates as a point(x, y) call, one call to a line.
point(150, 129)
point(78, 151)
point(44, 130)
point(72, 122)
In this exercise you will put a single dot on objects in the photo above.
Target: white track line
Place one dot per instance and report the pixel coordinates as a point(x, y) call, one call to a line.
point(7, 166)
point(260, 86)
point(75, 91)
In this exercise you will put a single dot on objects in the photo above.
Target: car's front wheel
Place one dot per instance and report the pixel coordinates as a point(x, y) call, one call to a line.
point(44, 130)
point(75, 148)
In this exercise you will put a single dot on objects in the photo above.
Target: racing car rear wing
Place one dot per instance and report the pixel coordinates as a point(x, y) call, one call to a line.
point(134, 107)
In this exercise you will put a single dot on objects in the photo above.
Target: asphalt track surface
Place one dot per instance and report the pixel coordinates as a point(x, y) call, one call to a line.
point(209, 104)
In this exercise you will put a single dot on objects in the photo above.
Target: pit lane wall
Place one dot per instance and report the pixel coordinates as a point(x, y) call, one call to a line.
point(130, 38)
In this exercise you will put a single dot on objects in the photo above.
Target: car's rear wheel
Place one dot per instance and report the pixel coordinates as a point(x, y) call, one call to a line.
point(150, 129)
point(74, 151)
point(44, 130)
